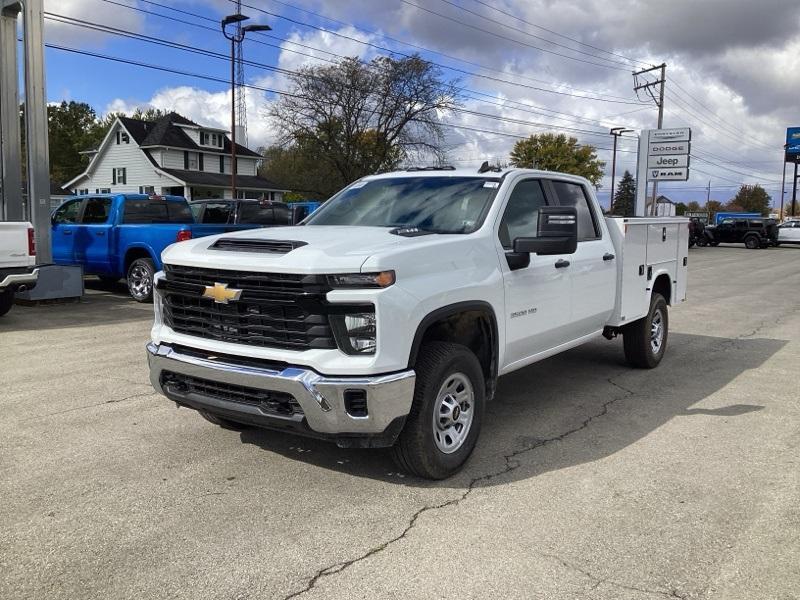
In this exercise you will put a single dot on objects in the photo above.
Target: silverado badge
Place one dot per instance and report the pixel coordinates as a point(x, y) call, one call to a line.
point(220, 293)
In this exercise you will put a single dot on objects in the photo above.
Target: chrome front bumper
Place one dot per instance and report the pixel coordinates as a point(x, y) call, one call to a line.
point(17, 279)
point(321, 398)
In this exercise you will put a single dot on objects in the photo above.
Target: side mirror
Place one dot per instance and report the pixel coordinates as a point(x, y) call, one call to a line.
point(557, 232)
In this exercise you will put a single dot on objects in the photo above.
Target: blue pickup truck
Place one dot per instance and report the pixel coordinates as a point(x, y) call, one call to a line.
point(117, 236)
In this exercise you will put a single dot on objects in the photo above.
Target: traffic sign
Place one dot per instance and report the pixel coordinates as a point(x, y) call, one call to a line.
point(676, 174)
point(668, 161)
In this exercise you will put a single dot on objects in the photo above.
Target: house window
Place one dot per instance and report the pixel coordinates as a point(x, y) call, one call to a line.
point(185, 161)
point(102, 190)
point(83, 192)
point(200, 161)
point(147, 189)
point(221, 163)
point(190, 161)
point(117, 137)
point(125, 138)
point(118, 176)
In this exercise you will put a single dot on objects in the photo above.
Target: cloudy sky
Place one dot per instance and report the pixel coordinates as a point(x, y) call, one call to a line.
point(525, 65)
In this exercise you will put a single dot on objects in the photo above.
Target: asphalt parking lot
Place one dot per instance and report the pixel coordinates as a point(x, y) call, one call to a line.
point(591, 480)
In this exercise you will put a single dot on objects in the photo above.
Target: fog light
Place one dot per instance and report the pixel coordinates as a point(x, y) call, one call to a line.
point(361, 332)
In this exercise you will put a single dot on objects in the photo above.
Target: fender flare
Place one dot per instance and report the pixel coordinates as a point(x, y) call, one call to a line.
point(452, 309)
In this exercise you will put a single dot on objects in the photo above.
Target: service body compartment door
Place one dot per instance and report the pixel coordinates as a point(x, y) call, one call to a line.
point(662, 243)
point(633, 292)
point(682, 270)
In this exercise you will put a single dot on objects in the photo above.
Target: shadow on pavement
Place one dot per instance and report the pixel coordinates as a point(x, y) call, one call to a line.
point(554, 399)
point(101, 304)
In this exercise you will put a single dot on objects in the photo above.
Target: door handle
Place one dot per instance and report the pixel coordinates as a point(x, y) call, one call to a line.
point(608, 256)
point(561, 263)
point(67, 232)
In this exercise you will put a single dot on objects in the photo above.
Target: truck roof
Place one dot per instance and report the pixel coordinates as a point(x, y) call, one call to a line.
point(489, 175)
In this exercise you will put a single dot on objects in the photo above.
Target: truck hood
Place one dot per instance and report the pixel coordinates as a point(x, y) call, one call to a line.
point(326, 249)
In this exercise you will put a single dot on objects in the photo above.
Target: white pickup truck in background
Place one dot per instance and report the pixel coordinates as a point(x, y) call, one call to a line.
point(387, 317)
point(17, 261)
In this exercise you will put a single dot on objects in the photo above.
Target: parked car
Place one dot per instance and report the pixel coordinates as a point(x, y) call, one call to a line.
point(300, 210)
point(250, 212)
point(18, 270)
point(118, 236)
point(386, 319)
point(788, 233)
point(752, 232)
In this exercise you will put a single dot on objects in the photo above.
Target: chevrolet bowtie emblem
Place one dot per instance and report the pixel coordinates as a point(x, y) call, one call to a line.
point(221, 294)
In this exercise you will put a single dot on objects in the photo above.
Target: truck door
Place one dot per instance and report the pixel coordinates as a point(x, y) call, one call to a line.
point(93, 236)
point(537, 298)
point(592, 270)
point(64, 222)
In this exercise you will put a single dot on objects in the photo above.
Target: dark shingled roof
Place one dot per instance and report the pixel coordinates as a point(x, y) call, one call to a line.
point(164, 132)
point(223, 180)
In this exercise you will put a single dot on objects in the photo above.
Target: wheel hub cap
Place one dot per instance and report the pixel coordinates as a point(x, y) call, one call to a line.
point(657, 332)
point(453, 412)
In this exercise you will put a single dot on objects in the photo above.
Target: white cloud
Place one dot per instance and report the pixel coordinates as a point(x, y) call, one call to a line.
point(93, 11)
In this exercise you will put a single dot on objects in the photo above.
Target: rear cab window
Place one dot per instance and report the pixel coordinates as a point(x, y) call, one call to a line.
point(143, 211)
point(96, 211)
point(263, 214)
point(574, 194)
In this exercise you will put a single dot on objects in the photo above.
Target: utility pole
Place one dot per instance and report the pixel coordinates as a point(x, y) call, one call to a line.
point(794, 188)
point(659, 100)
point(615, 132)
point(783, 178)
point(708, 193)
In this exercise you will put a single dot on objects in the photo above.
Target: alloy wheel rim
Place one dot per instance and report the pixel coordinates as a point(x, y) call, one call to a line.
point(453, 413)
point(140, 284)
point(657, 332)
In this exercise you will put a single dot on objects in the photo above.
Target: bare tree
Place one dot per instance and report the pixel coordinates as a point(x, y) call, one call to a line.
point(355, 119)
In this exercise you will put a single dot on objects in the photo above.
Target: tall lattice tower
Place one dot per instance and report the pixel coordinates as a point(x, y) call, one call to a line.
point(239, 90)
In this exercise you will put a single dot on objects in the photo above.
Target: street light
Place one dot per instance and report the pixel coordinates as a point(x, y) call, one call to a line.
point(236, 37)
point(616, 132)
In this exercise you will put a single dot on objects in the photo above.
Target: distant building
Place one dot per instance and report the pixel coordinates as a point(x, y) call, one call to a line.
point(664, 207)
point(172, 155)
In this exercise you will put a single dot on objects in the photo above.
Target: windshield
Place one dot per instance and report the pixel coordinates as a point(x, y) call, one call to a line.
point(437, 204)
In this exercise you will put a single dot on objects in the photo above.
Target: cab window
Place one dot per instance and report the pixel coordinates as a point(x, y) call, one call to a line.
point(217, 212)
point(68, 212)
point(573, 194)
point(521, 217)
point(96, 211)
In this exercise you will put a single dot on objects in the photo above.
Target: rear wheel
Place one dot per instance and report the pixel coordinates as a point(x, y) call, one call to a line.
point(752, 242)
point(645, 340)
point(6, 301)
point(140, 279)
point(222, 422)
point(446, 414)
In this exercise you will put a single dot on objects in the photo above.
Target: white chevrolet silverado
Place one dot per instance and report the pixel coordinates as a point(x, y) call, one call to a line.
point(386, 318)
point(18, 270)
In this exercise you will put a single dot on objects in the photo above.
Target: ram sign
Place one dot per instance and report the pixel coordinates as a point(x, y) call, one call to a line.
point(793, 144)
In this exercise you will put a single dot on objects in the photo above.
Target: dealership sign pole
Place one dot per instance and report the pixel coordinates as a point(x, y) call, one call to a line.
point(793, 156)
point(663, 156)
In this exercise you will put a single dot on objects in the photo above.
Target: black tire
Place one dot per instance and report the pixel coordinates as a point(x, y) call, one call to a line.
point(140, 279)
point(715, 244)
point(6, 301)
point(702, 243)
point(691, 243)
point(751, 242)
point(417, 450)
point(222, 422)
point(637, 337)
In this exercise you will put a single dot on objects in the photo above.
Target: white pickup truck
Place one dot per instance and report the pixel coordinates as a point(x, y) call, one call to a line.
point(386, 318)
point(18, 270)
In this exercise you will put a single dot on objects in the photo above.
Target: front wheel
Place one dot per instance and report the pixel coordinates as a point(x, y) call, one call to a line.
point(140, 279)
point(446, 415)
point(645, 340)
point(751, 242)
point(6, 301)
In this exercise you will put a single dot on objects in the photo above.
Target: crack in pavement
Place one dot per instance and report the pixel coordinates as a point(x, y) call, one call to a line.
point(511, 464)
point(76, 408)
point(598, 581)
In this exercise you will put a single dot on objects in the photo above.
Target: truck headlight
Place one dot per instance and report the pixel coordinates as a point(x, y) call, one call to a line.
point(362, 280)
point(355, 332)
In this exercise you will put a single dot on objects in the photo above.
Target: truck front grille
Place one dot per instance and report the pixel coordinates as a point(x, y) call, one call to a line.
point(271, 402)
point(274, 310)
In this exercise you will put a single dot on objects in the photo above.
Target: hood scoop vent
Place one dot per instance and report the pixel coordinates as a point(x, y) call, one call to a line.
point(252, 245)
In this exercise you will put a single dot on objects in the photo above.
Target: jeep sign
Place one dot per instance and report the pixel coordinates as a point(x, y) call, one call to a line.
point(668, 161)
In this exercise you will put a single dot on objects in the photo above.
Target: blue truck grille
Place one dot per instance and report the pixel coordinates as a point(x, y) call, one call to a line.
point(274, 310)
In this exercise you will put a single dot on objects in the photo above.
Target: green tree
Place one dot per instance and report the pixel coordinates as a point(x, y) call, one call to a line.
point(353, 119)
point(712, 207)
point(625, 197)
point(693, 206)
point(557, 152)
point(680, 209)
point(751, 198)
point(72, 129)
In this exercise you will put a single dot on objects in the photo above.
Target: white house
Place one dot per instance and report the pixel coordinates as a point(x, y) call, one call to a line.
point(172, 155)
point(664, 207)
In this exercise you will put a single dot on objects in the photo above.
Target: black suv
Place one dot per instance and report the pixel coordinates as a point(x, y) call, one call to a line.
point(753, 232)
